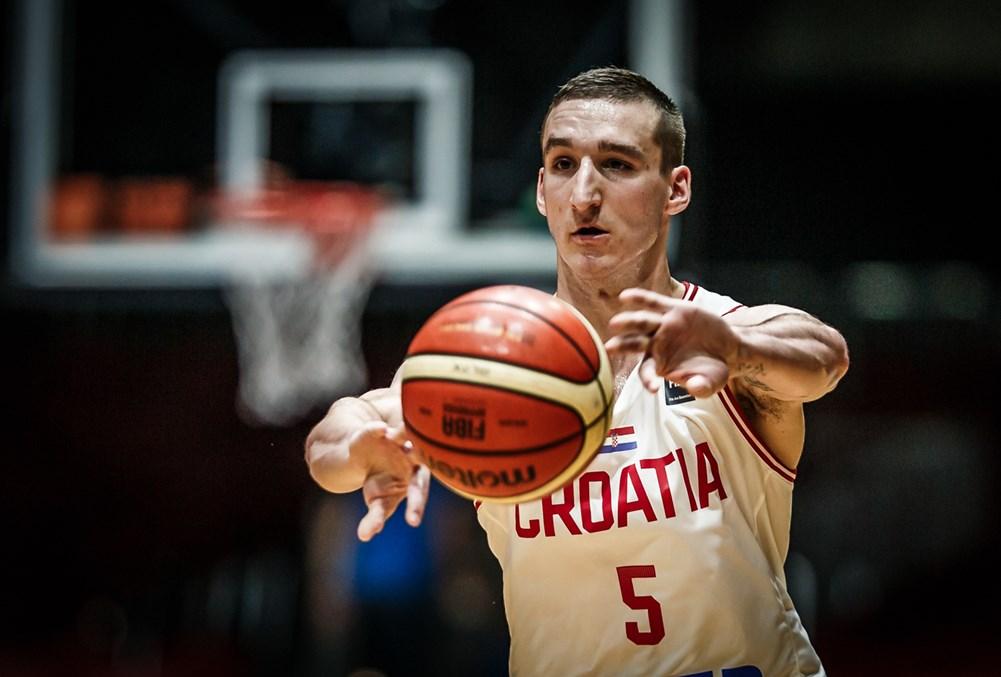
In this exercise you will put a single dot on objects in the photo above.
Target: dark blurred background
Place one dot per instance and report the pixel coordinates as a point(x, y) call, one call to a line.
point(845, 157)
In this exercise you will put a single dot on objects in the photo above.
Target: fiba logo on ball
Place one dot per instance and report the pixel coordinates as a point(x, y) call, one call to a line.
point(508, 393)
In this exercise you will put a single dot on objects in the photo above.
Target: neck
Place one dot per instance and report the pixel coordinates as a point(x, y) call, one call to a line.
point(599, 302)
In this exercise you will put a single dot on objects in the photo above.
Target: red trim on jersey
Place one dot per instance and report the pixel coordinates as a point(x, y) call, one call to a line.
point(685, 293)
point(732, 408)
point(760, 448)
point(477, 504)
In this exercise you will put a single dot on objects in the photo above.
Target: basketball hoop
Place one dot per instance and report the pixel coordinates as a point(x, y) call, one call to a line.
point(298, 335)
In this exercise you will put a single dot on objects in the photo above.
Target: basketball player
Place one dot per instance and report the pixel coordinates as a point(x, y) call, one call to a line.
point(665, 557)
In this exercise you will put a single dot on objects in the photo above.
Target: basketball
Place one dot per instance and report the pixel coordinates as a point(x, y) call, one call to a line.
point(507, 392)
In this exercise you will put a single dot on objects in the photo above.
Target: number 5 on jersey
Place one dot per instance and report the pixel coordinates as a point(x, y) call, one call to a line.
point(645, 603)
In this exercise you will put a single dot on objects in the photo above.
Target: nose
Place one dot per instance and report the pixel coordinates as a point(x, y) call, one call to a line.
point(586, 195)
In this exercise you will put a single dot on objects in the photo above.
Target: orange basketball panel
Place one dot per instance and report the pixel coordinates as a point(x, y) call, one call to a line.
point(518, 328)
point(544, 305)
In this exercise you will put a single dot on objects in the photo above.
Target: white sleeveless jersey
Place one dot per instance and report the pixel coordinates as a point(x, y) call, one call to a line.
point(665, 556)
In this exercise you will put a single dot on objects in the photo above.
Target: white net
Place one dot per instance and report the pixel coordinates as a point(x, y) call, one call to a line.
point(298, 335)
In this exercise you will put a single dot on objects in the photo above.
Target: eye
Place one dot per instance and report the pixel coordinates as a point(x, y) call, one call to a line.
point(562, 164)
point(617, 165)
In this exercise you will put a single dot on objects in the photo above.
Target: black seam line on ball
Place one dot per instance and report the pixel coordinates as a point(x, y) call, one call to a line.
point(569, 339)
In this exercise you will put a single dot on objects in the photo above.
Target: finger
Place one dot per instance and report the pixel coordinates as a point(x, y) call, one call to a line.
point(373, 521)
point(701, 376)
point(399, 436)
point(648, 374)
point(413, 452)
point(382, 446)
point(379, 510)
point(636, 322)
point(417, 495)
point(699, 386)
point(372, 434)
point(629, 343)
point(636, 297)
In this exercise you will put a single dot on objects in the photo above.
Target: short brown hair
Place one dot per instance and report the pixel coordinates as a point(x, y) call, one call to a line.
point(619, 84)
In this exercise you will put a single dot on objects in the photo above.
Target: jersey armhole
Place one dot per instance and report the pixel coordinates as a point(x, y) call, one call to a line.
point(739, 420)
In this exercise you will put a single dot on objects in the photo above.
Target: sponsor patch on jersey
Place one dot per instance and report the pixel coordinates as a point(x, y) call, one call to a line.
point(622, 438)
point(675, 394)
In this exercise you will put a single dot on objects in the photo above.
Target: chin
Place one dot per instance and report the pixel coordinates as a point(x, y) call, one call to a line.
point(597, 268)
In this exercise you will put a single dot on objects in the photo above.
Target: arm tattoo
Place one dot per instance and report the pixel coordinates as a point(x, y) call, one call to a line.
point(751, 374)
point(762, 405)
point(755, 397)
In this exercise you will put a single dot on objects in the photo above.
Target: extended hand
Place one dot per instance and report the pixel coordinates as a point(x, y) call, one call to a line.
point(395, 472)
point(679, 341)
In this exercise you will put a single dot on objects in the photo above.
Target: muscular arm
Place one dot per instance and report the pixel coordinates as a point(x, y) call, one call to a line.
point(785, 354)
point(784, 358)
point(774, 358)
point(361, 444)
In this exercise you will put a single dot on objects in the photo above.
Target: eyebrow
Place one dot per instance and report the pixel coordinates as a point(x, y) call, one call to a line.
point(554, 141)
point(604, 146)
point(626, 149)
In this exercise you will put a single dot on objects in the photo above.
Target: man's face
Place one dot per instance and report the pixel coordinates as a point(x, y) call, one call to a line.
point(601, 189)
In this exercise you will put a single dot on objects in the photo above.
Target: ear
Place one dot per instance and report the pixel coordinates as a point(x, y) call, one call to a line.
point(540, 199)
point(681, 190)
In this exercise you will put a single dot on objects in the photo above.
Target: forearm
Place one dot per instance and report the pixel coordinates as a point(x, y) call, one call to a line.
point(328, 454)
point(787, 354)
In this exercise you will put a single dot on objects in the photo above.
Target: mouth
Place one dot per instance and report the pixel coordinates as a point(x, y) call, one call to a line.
point(589, 232)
